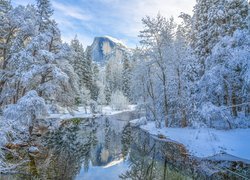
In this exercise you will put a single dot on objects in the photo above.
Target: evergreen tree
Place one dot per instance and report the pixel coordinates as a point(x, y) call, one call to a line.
point(38, 61)
point(44, 13)
point(126, 78)
point(214, 20)
point(201, 27)
point(94, 87)
point(5, 39)
point(222, 83)
point(108, 85)
point(5, 35)
point(90, 77)
point(77, 60)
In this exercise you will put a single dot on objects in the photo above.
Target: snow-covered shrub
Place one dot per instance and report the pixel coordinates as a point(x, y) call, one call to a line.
point(215, 116)
point(93, 107)
point(19, 117)
point(138, 122)
point(3, 139)
point(119, 101)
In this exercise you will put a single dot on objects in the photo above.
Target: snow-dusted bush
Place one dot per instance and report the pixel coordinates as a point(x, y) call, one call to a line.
point(138, 122)
point(93, 107)
point(119, 101)
point(218, 117)
point(17, 118)
point(3, 139)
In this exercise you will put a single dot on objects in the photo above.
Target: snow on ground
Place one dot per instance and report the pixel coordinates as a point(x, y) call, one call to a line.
point(205, 142)
point(107, 110)
point(138, 122)
point(80, 112)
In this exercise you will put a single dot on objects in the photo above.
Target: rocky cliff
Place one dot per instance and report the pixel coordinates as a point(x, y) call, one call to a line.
point(106, 48)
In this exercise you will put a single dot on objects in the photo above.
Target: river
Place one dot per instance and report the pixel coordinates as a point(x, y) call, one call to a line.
point(92, 149)
point(108, 148)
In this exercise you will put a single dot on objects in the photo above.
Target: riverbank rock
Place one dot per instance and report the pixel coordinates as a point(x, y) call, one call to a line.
point(33, 150)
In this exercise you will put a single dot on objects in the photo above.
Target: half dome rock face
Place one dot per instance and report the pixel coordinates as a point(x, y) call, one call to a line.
point(103, 47)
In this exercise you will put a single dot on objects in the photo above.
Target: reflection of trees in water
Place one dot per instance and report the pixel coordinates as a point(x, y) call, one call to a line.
point(68, 149)
point(145, 163)
point(110, 142)
point(141, 166)
point(107, 134)
point(126, 140)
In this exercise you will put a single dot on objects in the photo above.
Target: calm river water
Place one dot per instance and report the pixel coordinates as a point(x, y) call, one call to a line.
point(94, 149)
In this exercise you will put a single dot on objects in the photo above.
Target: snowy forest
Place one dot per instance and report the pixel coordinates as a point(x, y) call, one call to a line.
point(192, 73)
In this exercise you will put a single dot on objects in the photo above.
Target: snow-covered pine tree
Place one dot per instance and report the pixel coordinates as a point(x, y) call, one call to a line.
point(114, 79)
point(77, 60)
point(57, 75)
point(5, 38)
point(88, 70)
point(38, 61)
point(44, 13)
point(94, 85)
point(19, 27)
point(226, 65)
point(236, 14)
point(35, 69)
point(108, 83)
point(201, 30)
point(90, 75)
point(126, 78)
point(214, 19)
point(5, 7)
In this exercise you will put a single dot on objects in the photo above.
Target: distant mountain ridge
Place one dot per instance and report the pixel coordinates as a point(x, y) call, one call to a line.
point(103, 48)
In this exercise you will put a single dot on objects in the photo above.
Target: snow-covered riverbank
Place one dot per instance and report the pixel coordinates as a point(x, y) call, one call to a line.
point(81, 113)
point(206, 142)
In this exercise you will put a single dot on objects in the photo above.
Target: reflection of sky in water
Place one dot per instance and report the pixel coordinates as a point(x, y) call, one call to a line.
point(97, 153)
point(101, 173)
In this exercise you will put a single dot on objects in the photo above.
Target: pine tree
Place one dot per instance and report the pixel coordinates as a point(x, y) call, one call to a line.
point(5, 39)
point(88, 72)
point(5, 6)
point(236, 13)
point(108, 85)
point(201, 28)
point(14, 35)
point(44, 13)
point(38, 61)
point(94, 87)
point(222, 82)
point(214, 19)
point(77, 60)
point(126, 75)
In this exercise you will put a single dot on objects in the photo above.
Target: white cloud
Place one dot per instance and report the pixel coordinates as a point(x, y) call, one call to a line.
point(71, 11)
point(118, 18)
point(124, 16)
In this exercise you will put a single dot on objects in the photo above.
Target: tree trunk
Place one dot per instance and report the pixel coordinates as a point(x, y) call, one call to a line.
point(184, 119)
point(234, 108)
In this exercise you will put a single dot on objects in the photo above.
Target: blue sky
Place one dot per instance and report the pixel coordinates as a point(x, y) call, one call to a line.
point(120, 19)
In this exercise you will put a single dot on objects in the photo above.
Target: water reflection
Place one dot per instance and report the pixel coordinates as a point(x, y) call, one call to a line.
point(95, 149)
point(146, 164)
point(69, 148)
